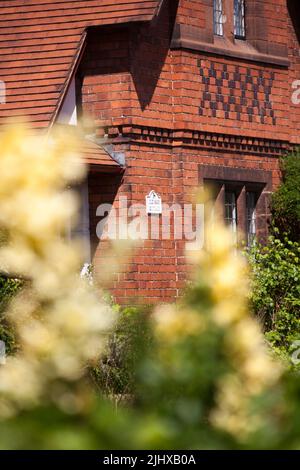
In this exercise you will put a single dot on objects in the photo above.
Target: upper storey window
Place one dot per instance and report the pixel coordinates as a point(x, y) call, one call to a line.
point(234, 9)
point(239, 19)
point(218, 18)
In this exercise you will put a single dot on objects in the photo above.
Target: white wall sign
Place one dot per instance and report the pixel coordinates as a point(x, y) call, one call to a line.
point(153, 203)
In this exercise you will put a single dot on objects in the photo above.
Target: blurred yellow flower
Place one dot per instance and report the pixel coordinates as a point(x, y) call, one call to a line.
point(60, 321)
point(222, 283)
point(171, 324)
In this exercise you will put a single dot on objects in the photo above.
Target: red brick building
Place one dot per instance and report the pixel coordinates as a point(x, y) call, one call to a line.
point(178, 92)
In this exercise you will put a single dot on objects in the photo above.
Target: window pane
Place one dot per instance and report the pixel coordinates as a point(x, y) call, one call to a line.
point(239, 19)
point(218, 17)
point(231, 211)
point(251, 217)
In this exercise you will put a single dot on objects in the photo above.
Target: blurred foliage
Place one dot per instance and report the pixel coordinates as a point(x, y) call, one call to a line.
point(60, 321)
point(8, 289)
point(275, 293)
point(115, 375)
point(200, 372)
point(285, 203)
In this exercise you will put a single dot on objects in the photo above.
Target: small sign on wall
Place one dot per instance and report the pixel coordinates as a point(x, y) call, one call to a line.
point(153, 204)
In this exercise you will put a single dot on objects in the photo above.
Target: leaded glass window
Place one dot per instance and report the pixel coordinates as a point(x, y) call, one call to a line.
point(251, 199)
point(231, 211)
point(239, 19)
point(218, 17)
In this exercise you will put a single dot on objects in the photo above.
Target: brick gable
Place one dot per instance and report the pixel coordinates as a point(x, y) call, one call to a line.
point(41, 42)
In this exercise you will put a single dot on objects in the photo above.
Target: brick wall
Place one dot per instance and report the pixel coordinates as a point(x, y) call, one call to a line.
point(222, 95)
point(195, 21)
point(158, 269)
point(175, 109)
point(106, 87)
point(294, 72)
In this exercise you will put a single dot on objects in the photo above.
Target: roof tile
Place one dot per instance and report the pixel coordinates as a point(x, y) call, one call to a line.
point(39, 42)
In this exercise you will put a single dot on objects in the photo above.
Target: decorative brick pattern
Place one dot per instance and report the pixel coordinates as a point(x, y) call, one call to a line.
point(243, 91)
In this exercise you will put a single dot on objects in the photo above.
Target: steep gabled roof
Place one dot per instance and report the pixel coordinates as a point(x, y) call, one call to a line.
point(41, 42)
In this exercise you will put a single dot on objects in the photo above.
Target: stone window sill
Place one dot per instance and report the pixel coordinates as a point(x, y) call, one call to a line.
point(239, 49)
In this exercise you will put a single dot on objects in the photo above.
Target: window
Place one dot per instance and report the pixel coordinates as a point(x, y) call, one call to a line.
point(231, 211)
point(239, 19)
point(241, 197)
point(218, 17)
point(236, 202)
point(79, 227)
point(251, 200)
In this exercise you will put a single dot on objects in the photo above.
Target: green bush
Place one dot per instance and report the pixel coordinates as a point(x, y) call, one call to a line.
point(8, 289)
point(115, 373)
point(285, 204)
point(275, 293)
point(199, 372)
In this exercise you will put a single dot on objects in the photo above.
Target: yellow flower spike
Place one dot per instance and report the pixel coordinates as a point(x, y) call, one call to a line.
point(228, 311)
point(223, 273)
point(228, 279)
point(37, 339)
point(19, 380)
point(219, 242)
point(246, 344)
point(60, 322)
point(233, 413)
point(172, 324)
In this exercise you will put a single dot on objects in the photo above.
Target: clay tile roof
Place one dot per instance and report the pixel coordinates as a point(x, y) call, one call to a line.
point(96, 155)
point(40, 43)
